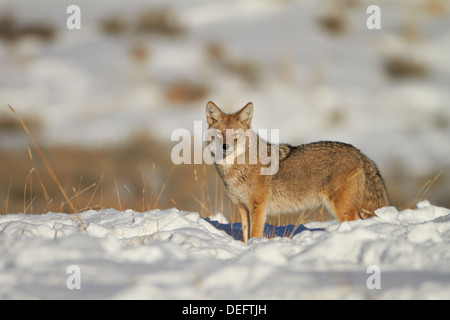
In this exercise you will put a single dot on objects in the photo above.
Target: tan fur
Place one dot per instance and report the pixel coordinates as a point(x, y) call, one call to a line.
point(335, 174)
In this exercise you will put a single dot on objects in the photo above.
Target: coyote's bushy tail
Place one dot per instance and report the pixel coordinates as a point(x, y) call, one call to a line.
point(375, 195)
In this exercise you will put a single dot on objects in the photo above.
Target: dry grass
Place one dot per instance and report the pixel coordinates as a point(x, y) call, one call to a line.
point(185, 92)
point(11, 30)
point(249, 70)
point(424, 190)
point(47, 166)
point(401, 68)
point(138, 175)
point(153, 21)
point(334, 24)
point(108, 178)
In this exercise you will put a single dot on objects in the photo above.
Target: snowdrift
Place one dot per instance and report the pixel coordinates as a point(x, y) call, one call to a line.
point(171, 254)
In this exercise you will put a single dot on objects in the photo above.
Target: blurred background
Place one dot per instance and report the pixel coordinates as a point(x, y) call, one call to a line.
point(102, 101)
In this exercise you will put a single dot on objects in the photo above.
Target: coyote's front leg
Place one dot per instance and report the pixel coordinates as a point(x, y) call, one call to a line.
point(257, 218)
point(244, 221)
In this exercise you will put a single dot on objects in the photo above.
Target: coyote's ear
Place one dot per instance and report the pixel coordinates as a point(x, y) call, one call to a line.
point(245, 114)
point(213, 113)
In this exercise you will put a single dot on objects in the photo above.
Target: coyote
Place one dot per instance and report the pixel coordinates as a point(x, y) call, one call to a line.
point(334, 174)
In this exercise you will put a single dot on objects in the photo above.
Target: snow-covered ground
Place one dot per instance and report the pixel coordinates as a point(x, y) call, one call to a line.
point(90, 89)
point(171, 254)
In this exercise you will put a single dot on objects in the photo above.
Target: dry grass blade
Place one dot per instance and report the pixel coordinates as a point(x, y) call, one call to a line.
point(155, 206)
point(119, 202)
point(77, 194)
point(100, 182)
point(30, 205)
point(424, 190)
point(28, 181)
point(48, 166)
point(46, 195)
point(145, 200)
point(203, 207)
point(7, 197)
point(175, 204)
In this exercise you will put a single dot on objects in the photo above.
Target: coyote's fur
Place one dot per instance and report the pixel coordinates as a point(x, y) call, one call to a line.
point(334, 174)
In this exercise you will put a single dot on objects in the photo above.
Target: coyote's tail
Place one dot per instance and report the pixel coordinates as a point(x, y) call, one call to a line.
point(375, 195)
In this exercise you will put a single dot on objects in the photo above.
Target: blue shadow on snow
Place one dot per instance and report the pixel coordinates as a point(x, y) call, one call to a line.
point(270, 231)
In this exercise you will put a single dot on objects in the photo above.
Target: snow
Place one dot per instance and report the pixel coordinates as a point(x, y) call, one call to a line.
point(87, 89)
point(172, 254)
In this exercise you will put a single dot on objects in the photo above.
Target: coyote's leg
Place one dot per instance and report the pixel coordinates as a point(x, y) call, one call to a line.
point(257, 218)
point(344, 202)
point(244, 220)
point(347, 212)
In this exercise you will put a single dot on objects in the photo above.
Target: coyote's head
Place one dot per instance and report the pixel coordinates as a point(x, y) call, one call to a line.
point(232, 140)
point(229, 133)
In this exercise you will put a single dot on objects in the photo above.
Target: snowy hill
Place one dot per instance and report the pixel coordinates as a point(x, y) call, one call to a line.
point(171, 254)
point(311, 85)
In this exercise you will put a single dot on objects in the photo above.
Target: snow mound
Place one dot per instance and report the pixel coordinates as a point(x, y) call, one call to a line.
point(172, 254)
